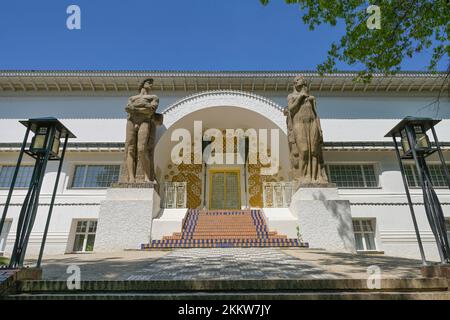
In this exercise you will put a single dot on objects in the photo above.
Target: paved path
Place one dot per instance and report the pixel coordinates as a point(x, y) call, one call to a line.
point(5, 275)
point(228, 263)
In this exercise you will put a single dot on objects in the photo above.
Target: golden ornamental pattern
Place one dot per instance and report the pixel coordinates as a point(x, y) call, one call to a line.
point(255, 184)
point(191, 174)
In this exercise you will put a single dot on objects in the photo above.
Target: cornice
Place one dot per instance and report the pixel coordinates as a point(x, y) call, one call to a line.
point(76, 81)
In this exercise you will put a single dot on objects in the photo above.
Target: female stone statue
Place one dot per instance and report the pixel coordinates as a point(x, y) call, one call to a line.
point(305, 136)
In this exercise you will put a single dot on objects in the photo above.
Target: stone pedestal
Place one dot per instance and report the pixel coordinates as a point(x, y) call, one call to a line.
point(125, 218)
point(325, 220)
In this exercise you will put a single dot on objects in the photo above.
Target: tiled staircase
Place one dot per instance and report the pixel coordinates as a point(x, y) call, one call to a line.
point(224, 228)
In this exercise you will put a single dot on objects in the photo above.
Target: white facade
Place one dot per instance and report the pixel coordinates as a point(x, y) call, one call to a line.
point(354, 117)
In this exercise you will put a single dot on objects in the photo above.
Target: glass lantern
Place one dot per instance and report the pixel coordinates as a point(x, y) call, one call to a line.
point(56, 143)
point(404, 141)
point(422, 140)
point(38, 143)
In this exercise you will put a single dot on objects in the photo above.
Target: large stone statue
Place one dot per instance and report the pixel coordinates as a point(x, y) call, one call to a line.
point(142, 122)
point(305, 136)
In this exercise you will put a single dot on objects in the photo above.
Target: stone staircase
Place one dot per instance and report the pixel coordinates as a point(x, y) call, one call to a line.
point(224, 228)
point(262, 289)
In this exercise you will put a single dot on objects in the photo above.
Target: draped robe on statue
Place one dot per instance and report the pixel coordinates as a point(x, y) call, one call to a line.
point(305, 131)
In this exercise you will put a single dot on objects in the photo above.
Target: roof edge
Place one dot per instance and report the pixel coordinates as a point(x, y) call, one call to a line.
point(213, 72)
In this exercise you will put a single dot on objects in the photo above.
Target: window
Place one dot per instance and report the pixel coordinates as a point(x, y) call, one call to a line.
point(436, 172)
point(95, 176)
point(364, 234)
point(277, 194)
point(23, 177)
point(175, 195)
point(353, 176)
point(85, 236)
point(4, 235)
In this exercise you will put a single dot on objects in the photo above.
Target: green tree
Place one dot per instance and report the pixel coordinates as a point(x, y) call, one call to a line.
point(408, 27)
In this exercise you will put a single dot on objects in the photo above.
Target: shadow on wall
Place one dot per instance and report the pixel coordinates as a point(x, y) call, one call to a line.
point(345, 226)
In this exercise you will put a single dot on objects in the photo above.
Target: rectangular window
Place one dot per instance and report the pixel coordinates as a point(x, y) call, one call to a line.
point(23, 177)
point(353, 175)
point(95, 176)
point(364, 234)
point(4, 235)
point(437, 175)
point(85, 236)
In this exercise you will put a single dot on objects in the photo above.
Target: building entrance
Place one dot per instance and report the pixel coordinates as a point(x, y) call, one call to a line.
point(224, 189)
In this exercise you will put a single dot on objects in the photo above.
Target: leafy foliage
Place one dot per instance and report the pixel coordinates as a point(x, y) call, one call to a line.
point(407, 27)
point(3, 261)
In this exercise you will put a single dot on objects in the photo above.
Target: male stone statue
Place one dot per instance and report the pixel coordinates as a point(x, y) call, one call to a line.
point(305, 136)
point(142, 121)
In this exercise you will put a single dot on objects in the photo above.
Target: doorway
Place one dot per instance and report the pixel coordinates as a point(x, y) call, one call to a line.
point(224, 189)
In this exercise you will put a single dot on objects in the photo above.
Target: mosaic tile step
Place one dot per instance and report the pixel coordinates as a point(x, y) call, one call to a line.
point(224, 228)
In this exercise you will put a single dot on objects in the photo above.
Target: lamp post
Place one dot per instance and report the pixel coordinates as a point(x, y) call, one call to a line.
point(416, 145)
point(44, 147)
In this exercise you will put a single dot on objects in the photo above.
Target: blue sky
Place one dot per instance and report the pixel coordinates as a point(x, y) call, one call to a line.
point(165, 35)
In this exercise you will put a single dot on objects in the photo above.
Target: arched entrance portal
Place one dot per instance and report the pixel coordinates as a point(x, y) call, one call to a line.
point(227, 185)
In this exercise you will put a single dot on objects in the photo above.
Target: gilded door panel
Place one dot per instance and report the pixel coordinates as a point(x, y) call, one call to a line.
point(232, 190)
point(224, 190)
point(217, 189)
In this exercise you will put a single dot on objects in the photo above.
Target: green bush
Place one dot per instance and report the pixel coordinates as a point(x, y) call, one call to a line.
point(3, 261)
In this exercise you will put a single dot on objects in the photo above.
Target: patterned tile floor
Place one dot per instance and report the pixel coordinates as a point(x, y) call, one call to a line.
point(249, 262)
point(228, 263)
point(5, 274)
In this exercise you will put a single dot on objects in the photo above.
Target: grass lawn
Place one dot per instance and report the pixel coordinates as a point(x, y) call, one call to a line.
point(3, 261)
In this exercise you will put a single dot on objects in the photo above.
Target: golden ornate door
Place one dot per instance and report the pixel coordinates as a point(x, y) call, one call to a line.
point(224, 189)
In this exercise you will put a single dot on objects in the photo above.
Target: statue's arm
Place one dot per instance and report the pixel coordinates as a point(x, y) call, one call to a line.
point(147, 109)
point(294, 102)
point(314, 103)
point(130, 106)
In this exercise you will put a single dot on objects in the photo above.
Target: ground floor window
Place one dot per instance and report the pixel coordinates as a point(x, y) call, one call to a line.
point(364, 234)
point(4, 235)
point(85, 236)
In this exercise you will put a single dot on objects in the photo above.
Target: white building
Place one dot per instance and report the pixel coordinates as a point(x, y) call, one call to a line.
point(354, 116)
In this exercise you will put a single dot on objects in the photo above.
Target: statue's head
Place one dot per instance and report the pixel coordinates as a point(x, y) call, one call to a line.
point(300, 83)
point(154, 102)
point(146, 84)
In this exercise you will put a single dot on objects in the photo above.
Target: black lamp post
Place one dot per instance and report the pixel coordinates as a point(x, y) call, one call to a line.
point(416, 145)
point(44, 147)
